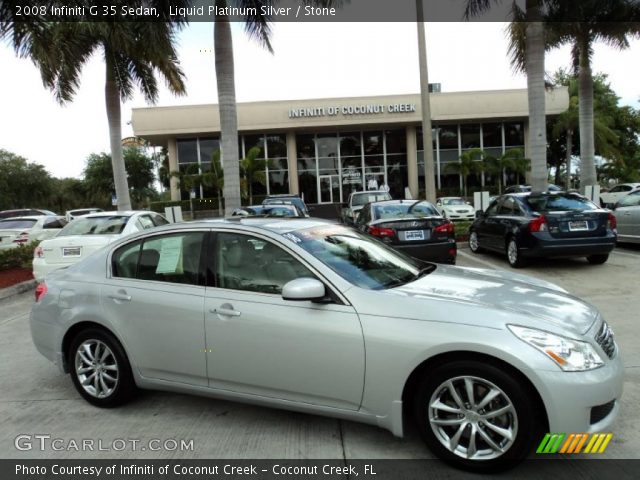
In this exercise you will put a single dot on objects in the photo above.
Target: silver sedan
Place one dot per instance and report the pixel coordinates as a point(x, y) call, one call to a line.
point(316, 317)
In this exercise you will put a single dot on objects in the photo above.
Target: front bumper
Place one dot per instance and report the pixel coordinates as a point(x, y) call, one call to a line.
point(441, 252)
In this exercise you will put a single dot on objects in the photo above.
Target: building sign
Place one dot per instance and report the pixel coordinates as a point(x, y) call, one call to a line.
point(348, 110)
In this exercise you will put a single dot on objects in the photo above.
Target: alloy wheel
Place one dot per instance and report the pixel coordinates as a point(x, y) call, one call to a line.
point(96, 368)
point(474, 245)
point(473, 418)
point(512, 252)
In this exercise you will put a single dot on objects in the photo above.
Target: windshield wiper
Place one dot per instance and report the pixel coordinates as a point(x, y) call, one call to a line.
point(425, 270)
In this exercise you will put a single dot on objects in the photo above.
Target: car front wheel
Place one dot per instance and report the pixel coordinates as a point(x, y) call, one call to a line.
point(100, 369)
point(476, 416)
point(474, 244)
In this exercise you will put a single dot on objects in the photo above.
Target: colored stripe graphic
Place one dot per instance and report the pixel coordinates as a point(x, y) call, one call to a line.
point(550, 443)
point(573, 443)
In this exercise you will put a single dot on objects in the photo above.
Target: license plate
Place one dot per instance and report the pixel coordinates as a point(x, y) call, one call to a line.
point(414, 235)
point(71, 251)
point(578, 226)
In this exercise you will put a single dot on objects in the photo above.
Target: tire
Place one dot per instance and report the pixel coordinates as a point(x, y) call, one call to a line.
point(112, 367)
point(514, 256)
point(521, 419)
point(474, 243)
point(597, 259)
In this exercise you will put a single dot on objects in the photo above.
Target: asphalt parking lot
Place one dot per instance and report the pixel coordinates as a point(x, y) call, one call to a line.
point(36, 399)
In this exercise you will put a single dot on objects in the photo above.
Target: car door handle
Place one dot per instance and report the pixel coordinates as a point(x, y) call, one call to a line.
point(225, 311)
point(121, 296)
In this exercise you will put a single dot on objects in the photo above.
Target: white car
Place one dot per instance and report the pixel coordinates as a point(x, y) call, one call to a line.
point(455, 208)
point(16, 231)
point(613, 196)
point(87, 234)
point(80, 212)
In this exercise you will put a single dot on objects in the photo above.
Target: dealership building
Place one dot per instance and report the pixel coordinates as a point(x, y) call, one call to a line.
point(324, 149)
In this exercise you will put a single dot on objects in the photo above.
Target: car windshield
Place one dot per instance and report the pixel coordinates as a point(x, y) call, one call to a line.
point(364, 198)
point(17, 223)
point(359, 259)
point(559, 203)
point(404, 210)
point(110, 225)
point(453, 201)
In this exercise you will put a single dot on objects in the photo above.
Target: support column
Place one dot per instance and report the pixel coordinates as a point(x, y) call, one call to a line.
point(292, 163)
point(174, 182)
point(412, 161)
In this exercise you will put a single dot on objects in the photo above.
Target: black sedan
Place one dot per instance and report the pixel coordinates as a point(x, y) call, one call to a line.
point(549, 224)
point(413, 227)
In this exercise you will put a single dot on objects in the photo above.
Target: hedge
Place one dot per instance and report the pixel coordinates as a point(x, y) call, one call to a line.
point(18, 257)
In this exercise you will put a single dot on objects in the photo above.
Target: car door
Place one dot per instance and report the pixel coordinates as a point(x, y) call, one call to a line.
point(628, 216)
point(486, 227)
point(260, 344)
point(154, 296)
point(507, 219)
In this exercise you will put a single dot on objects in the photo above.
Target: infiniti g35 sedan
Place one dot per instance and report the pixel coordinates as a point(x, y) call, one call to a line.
point(316, 317)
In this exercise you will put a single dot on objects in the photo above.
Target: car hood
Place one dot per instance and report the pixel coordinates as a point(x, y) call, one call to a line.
point(505, 291)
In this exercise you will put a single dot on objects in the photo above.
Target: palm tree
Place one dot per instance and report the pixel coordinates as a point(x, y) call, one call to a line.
point(470, 162)
point(257, 27)
point(520, 167)
point(253, 170)
point(505, 162)
point(133, 53)
point(611, 22)
point(530, 24)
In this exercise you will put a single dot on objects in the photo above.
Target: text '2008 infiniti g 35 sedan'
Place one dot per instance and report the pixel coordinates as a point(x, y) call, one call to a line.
point(312, 316)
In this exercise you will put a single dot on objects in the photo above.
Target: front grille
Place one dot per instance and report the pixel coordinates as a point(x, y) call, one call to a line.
point(601, 411)
point(604, 338)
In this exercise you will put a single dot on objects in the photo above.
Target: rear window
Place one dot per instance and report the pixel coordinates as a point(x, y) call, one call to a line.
point(365, 198)
point(17, 223)
point(559, 203)
point(402, 210)
point(113, 225)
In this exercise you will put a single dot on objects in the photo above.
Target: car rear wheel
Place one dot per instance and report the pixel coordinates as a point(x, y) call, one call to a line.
point(474, 244)
point(597, 259)
point(100, 369)
point(476, 416)
point(514, 256)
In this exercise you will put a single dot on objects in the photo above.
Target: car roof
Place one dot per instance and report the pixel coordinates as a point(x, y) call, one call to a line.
point(29, 217)
point(398, 202)
point(127, 213)
point(275, 225)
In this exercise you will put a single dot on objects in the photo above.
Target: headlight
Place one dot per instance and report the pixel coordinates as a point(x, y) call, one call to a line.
point(570, 355)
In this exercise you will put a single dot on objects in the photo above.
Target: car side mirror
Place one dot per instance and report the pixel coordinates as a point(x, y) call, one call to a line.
point(439, 204)
point(304, 290)
point(479, 213)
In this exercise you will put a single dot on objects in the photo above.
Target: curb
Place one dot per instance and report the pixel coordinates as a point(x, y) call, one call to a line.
point(17, 289)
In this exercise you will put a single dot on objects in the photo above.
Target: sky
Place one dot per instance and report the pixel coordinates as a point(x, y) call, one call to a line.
point(311, 60)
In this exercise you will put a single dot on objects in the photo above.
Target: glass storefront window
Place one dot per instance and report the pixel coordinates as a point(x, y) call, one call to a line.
point(374, 161)
point(491, 135)
point(187, 150)
point(307, 164)
point(397, 181)
point(305, 146)
point(449, 156)
point(434, 134)
point(350, 144)
point(327, 145)
point(396, 141)
point(470, 135)
point(276, 146)
point(373, 143)
point(278, 182)
point(207, 147)
point(514, 134)
point(251, 141)
point(448, 137)
point(328, 164)
point(308, 186)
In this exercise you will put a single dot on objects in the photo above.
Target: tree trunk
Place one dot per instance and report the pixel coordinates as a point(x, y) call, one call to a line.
point(112, 98)
point(567, 182)
point(425, 102)
point(585, 116)
point(225, 77)
point(536, 95)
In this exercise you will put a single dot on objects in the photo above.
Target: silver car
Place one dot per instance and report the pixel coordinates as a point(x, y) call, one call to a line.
point(627, 212)
point(313, 316)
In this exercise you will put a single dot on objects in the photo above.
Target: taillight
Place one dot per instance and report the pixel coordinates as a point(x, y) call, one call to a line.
point(538, 224)
point(381, 232)
point(22, 238)
point(447, 227)
point(612, 222)
point(38, 252)
point(41, 291)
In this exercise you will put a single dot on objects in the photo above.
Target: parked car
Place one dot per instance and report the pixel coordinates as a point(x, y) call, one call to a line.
point(25, 212)
point(627, 212)
point(71, 214)
point(271, 210)
point(455, 208)
point(412, 227)
point(527, 188)
point(616, 193)
point(549, 224)
point(87, 234)
point(316, 317)
point(357, 200)
point(22, 230)
point(287, 199)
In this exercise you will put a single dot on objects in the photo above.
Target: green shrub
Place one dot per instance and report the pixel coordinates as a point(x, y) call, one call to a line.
point(18, 257)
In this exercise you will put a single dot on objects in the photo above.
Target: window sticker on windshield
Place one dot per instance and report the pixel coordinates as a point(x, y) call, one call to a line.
point(170, 256)
point(292, 237)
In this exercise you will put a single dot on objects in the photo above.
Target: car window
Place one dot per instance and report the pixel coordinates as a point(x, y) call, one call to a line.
point(364, 198)
point(621, 188)
point(453, 201)
point(244, 262)
point(493, 208)
point(159, 220)
point(104, 225)
point(630, 200)
point(173, 258)
point(54, 223)
point(560, 203)
point(146, 222)
point(509, 206)
point(406, 209)
point(17, 223)
point(358, 258)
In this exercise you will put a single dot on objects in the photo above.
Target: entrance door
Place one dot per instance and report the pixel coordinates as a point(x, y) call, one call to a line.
point(326, 189)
